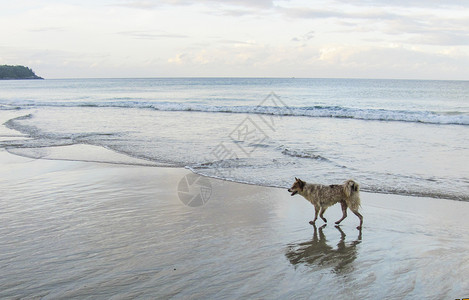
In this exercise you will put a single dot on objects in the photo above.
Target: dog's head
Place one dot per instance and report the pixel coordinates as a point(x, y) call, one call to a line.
point(297, 187)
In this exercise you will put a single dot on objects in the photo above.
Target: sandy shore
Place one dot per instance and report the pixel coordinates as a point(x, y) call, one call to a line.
point(93, 230)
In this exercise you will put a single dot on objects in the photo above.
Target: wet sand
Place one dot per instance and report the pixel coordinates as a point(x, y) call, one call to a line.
point(76, 230)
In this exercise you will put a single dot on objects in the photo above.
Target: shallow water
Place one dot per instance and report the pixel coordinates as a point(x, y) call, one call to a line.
point(392, 136)
point(74, 230)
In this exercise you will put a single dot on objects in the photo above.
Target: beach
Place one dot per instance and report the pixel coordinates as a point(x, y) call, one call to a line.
point(176, 188)
point(78, 230)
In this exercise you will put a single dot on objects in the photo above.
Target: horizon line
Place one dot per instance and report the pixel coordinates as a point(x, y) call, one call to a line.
point(250, 77)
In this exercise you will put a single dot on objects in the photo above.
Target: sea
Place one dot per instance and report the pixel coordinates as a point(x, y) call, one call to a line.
point(406, 137)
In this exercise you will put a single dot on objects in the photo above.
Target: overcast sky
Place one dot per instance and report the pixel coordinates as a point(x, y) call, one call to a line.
point(415, 39)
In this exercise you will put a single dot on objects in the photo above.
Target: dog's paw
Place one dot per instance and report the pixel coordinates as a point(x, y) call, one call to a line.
point(359, 227)
point(311, 223)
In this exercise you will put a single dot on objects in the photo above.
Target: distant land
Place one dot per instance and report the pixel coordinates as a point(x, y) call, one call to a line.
point(16, 72)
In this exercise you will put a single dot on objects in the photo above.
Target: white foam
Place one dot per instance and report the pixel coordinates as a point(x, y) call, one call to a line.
point(318, 111)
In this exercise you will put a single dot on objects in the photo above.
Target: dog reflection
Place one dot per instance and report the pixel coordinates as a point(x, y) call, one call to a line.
point(317, 253)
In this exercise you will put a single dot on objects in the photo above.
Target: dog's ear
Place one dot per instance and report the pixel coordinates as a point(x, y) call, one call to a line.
point(301, 184)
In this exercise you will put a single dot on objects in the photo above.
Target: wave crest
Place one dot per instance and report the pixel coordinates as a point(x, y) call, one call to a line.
point(316, 111)
point(303, 154)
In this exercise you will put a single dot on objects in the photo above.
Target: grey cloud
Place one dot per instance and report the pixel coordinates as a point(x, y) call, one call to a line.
point(235, 42)
point(443, 38)
point(305, 37)
point(149, 4)
point(424, 27)
point(245, 3)
point(404, 3)
point(311, 13)
point(232, 12)
point(137, 4)
point(151, 34)
point(431, 30)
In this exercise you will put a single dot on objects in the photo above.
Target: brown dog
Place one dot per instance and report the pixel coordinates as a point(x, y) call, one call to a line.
point(323, 196)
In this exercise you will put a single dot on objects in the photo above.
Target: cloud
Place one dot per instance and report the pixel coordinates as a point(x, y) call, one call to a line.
point(150, 4)
point(311, 13)
point(305, 37)
point(424, 26)
point(137, 4)
point(333, 38)
point(178, 59)
point(151, 34)
point(428, 22)
point(47, 29)
point(430, 30)
point(442, 38)
point(227, 8)
point(53, 63)
point(245, 3)
point(394, 61)
point(236, 42)
point(405, 3)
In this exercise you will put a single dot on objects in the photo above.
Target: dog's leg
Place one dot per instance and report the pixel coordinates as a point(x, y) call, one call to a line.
point(321, 214)
point(360, 217)
point(344, 212)
point(316, 211)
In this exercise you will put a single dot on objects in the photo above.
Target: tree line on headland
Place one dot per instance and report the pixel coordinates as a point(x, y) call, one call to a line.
point(17, 72)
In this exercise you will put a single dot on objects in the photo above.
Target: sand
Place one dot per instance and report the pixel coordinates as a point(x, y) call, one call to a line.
point(75, 230)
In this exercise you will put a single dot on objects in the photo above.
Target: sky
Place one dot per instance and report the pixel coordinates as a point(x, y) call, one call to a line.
point(401, 39)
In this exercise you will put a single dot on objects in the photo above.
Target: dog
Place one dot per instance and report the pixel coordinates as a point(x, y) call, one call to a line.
point(323, 196)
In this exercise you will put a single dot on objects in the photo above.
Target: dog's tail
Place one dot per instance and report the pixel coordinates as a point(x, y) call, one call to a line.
point(351, 190)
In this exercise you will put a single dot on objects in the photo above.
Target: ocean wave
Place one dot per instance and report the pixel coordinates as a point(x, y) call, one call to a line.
point(316, 111)
point(9, 107)
point(303, 154)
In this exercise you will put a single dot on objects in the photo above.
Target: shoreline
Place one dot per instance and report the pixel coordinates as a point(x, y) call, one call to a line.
point(86, 229)
point(101, 155)
point(107, 156)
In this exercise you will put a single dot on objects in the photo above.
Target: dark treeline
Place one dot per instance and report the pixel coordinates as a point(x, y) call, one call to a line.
point(17, 72)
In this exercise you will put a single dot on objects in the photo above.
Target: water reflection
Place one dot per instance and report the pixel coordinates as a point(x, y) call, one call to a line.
point(317, 253)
